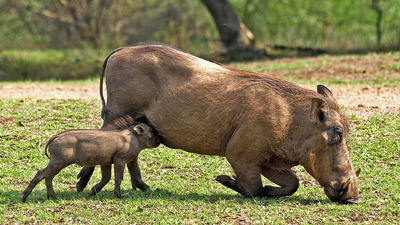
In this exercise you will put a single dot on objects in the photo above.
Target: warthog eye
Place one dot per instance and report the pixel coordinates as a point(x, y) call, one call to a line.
point(338, 131)
point(336, 135)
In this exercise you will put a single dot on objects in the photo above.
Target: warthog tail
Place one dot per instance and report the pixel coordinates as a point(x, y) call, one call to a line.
point(48, 143)
point(104, 110)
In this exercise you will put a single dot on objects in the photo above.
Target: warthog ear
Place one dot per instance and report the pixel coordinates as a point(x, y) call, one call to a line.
point(321, 89)
point(319, 110)
point(325, 91)
point(138, 129)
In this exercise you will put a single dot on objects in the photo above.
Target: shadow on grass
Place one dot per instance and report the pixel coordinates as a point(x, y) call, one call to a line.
point(14, 197)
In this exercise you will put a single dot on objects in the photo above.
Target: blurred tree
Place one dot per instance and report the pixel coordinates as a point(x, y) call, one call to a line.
point(336, 25)
point(227, 23)
point(83, 17)
point(378, 9)
point(231, 31)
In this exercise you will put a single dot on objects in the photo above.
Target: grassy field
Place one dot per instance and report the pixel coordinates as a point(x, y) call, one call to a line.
point(184, 189)
point(183, 185)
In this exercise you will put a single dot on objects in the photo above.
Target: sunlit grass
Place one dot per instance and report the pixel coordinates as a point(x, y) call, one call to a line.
point(183, 185)
point(372, 69)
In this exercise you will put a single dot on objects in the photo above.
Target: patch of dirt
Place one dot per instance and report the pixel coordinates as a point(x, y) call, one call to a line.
point(356, 68)
point(49, 91)
point(363, 101)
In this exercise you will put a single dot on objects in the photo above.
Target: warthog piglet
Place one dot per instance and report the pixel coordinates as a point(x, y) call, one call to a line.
point(91, 148)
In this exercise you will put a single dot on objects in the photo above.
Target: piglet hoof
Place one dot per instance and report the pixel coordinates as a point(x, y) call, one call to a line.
point(117, 194)
point(25, 195)
point(51, 196)
point(143, 186)
point(92, 192)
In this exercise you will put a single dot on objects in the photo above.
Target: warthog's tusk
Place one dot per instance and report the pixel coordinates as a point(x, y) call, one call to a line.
point(346, 184)
point(358, 172)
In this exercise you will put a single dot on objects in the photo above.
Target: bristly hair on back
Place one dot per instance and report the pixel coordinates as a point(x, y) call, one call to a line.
point(123, 123)
point(128, 122)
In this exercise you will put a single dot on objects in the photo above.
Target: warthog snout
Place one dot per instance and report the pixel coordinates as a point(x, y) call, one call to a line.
point(154, 142)
point(344, 192)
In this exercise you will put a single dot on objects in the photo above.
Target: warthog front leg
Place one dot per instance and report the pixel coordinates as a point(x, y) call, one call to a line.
point(248, 178)
point(246, 182)
point(84, 175)
point(245, 163)
point(105, 178)
point(286, 179)
point(228, 182)
point(136, 177)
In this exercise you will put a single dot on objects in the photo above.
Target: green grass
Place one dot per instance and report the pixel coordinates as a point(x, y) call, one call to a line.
point(67, 64)
point(183, 185)
point(84, 65)
point(375, 69)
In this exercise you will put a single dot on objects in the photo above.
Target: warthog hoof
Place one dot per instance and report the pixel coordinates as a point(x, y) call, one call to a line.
point(117, 194)
point(142, 186)
point(227, 181)
point(84, 176)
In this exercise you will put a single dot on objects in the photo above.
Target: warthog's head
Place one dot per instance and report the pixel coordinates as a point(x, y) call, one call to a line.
point(329, 159)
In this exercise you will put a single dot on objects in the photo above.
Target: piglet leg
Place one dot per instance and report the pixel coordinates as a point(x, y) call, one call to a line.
point(49, 180)
point(136, 177)
point(119, 175)
point(38, 177)
point(48, 174)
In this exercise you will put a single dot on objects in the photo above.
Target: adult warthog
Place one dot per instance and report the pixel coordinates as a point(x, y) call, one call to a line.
point(261, 124)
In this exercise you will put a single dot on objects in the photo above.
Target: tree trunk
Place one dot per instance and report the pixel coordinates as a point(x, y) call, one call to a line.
point(325, 32)
point(227, 22)
point(379, 12)
point(229, 28)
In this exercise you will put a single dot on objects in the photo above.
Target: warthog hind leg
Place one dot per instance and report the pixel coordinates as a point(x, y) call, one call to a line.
point(105, 178)
point(286, 179)
point(48, 174)
point(84, 175)
point(38, 177)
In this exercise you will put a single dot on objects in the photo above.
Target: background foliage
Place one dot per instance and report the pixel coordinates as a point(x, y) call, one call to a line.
point(347, 24)
point(84, 32)
point(336, 24)
point(67, 64)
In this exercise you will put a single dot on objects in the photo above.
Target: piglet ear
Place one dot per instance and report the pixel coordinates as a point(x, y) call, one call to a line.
point(138, 129)
point(319, 110)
